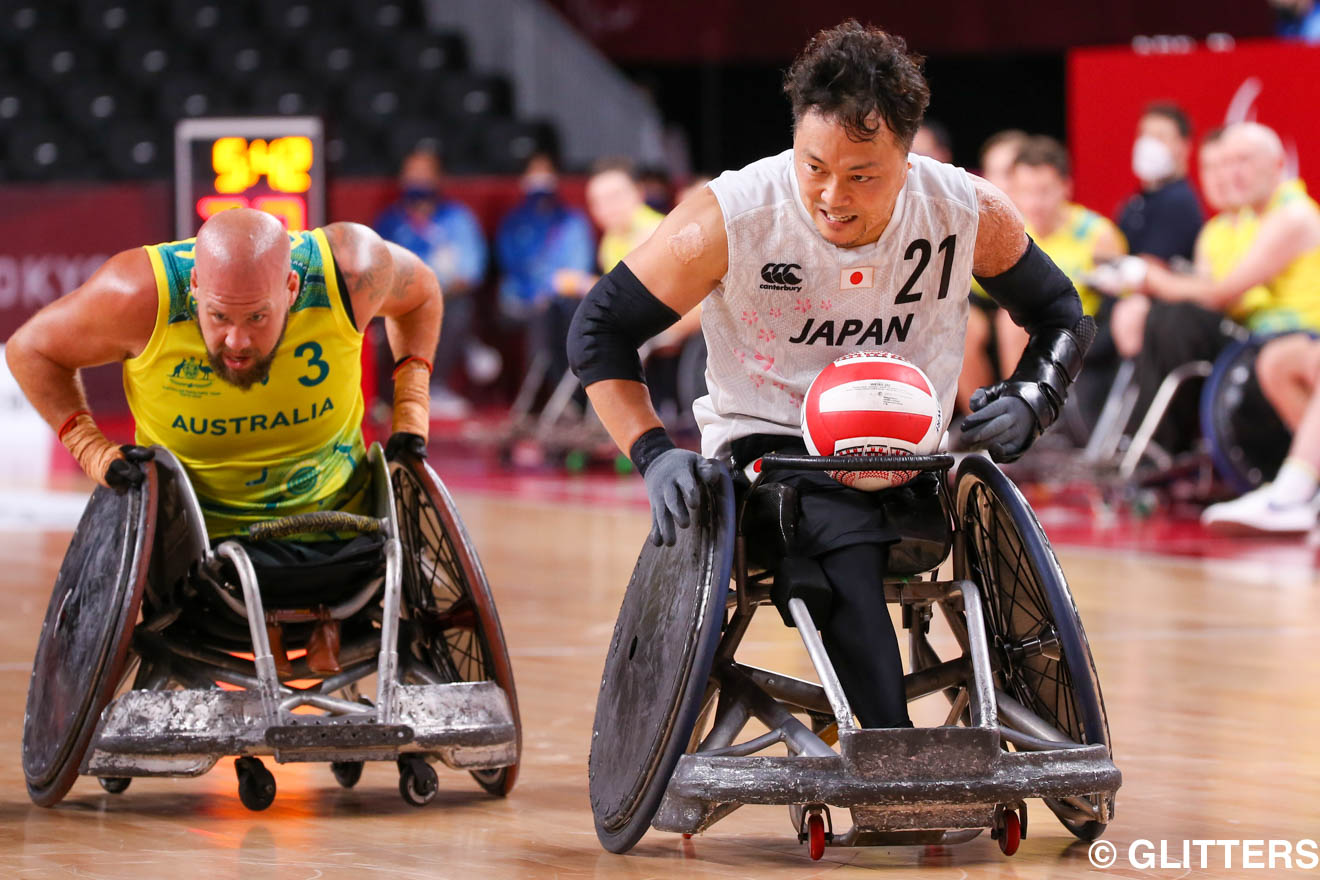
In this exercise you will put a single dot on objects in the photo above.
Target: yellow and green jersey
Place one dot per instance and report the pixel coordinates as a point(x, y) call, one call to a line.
point(1295, 292)
point(1072, 248)
point(291, 444)
point(1224, 240)
point(615, 246)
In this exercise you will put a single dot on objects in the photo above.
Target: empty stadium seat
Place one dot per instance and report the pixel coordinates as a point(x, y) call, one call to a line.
point(244, 57)
point(145, 58)
point(190, 95)
point(54, 58)
point(292, 19)
point(21, 104)
point(91, 105)
point(407, 135)
point(465, 94)
point(20, 20)
point(509, 143)
point(377, 99)
point(137, 150)
point(107, 20)
point(42, 151)
point(356, 152)
point(204, 19)
point(288, 94)
point(427, 53)
point(387, 16)
point(335, 55)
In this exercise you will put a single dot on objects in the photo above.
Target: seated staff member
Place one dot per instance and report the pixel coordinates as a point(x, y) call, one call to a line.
point(242, 353)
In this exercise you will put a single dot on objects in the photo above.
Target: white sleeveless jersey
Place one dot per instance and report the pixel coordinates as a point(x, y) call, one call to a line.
point(792, 302)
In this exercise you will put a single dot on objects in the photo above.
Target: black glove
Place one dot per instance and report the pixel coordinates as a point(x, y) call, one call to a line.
point(127, 473)
point(673, 488)
point(404, 441)
point(1000, 423)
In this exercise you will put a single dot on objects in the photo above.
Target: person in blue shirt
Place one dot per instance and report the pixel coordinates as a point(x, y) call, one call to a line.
point(445, 234)
point(1162, 219)
point(1297, 20)
point(535, 242)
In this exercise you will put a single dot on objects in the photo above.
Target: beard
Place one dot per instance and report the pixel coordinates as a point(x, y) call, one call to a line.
point(250, 375)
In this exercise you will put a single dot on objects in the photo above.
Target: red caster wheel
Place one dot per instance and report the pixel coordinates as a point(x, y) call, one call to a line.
point(1011, 834)
point(816, 836)
point(687, 836)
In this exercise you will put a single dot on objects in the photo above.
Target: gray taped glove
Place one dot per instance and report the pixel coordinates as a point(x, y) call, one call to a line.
point(673, 489)
point(1001, 424)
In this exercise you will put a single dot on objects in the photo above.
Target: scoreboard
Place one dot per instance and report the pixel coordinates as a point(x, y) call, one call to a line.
point(275, 164)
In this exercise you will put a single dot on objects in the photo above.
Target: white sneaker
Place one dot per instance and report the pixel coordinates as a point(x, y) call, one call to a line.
point(445, 404)
point(1258, 513)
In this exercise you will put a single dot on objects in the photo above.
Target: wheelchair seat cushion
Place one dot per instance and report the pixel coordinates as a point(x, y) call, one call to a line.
point(299, 574)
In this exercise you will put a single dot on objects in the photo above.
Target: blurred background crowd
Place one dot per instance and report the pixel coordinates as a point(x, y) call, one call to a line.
point(522, 147)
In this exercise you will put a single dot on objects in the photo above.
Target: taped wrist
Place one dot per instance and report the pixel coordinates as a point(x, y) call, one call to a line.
point(614, 319)
point(412, 398)
point(89, 447)
point(648, 447)
point(1036, 293)
point(1050, 364)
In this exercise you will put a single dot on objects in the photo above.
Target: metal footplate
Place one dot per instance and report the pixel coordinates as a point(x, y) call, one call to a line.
point(896, 781)
point(182, 733)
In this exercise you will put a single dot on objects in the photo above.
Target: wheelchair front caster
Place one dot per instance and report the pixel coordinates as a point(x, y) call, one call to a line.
point(256, 785)
point(815, 836)
point(811, 828)
point(1007, 830)
point(347, 773)
point(114, 784)
point(417, 781)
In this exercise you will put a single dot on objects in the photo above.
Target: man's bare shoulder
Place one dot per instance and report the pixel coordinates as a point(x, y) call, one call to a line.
point(1001, 237)
point(687, 255)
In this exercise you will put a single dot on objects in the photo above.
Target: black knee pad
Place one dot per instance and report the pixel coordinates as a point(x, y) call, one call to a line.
point(802, 578)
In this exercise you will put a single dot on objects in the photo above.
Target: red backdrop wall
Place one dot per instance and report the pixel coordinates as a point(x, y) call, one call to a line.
point(1271, 82)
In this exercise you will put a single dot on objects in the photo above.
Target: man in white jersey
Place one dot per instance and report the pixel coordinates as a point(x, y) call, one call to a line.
point(843, 243)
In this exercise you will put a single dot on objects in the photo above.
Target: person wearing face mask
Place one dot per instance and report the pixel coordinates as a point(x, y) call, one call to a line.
point(445, 234)
point(1261, 275)
point(536, 242)
point(1162, 220)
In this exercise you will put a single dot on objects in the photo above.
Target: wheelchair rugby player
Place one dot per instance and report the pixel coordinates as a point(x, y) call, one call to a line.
point(846, 242)
point(249, 520)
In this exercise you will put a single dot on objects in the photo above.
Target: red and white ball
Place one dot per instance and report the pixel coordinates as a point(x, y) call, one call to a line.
point(872, 403)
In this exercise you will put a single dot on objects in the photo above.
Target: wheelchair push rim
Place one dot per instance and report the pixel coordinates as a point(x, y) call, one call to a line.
point(1030, 613)
point(84, 648)
point(457, 630)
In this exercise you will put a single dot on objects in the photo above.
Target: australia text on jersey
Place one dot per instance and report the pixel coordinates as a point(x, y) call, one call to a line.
point(254, 422)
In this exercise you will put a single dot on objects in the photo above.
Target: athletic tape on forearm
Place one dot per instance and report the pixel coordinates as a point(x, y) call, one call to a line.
point(412, 399)
point(1036, 293)
point(89, 447)
point(614, 319)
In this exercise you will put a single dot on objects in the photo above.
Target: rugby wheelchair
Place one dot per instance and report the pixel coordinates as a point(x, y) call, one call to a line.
point(1025, 715)
point(1243, 440)
point(154, 658)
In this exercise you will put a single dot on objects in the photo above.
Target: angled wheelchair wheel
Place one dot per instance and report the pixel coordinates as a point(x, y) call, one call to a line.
point(1040, 653)
point(1247, 439)
point(84, 649)
point(456, 628)
point(657, 668)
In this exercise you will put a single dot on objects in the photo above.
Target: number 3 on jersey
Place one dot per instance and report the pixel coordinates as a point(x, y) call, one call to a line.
point(312, 351)
point(921, 250)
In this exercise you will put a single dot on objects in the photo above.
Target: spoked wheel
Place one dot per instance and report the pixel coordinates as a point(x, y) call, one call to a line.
point(456, 631)
point(1039, 650)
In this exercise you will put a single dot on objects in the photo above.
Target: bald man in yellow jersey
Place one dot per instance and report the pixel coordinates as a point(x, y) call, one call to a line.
point(1264, 275)
point(242, 355)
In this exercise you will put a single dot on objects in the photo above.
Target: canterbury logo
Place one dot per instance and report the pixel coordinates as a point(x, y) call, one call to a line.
point(782, 275)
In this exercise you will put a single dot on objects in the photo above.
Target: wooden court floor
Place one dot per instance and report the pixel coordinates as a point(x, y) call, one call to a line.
point(1211, 673)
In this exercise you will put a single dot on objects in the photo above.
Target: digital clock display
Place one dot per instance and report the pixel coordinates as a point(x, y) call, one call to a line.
point(273, 164)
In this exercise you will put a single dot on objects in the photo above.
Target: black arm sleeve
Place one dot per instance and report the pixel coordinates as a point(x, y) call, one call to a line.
point(1036, 293)
point(614, 319)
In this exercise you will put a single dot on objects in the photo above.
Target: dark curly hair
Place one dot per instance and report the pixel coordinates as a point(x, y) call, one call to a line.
point(853, 73)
